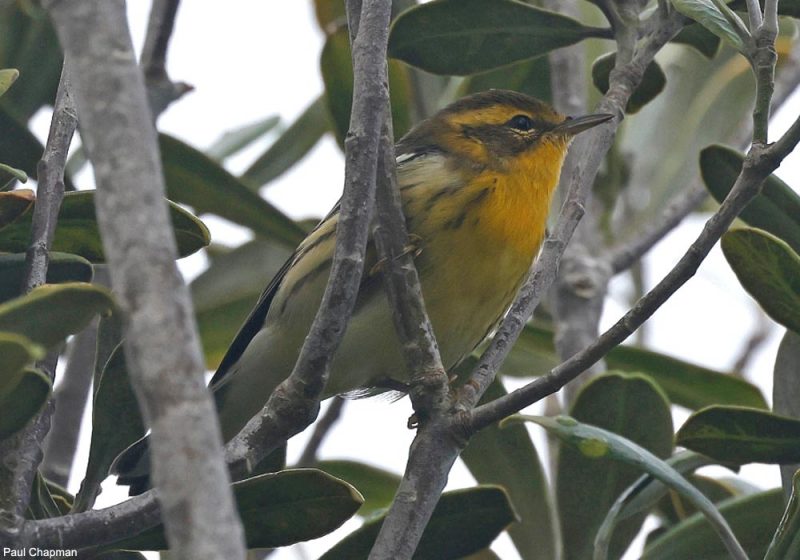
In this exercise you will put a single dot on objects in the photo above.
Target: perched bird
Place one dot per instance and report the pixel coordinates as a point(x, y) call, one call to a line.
point(476, 181)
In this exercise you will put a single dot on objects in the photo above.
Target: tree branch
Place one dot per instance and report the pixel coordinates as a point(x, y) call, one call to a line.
point(161, 343)
point(321, 429)
point(295, 403)
point(24, 449)
point(161, 91)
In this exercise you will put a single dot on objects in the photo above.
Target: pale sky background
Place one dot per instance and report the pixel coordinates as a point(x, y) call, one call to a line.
point(248, 60)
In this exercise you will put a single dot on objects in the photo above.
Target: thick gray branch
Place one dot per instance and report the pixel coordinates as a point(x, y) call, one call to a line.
point(161, 344)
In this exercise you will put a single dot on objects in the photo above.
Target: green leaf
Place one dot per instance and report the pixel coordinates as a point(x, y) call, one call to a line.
point(507, 457)
point(786, 391)
point(295, 142)
point(633, 407)
point(646, 492)
point(652, 83)
point(531, 77)
point(14, 204)
point(376, 485)
point(195, 179)
point(776, 209)
point(673, 509)
point(464, 522)
point(742, 435)
point(719, 20)
point(29, 44)
point(698, 37)
point(278, 509)
point(225, 293)
point(753, 519)
point(686, 384)
point(337, 73)
point(50, 313)
point(597, 443)
point(236, 140)
point(24, 401)
point(116, 424)
point(769, 270)
point(62, 268)
point(77, 230)
point(467, 36)
point(7, 77)
point(10, 174)
point(17, 352)
point(19, 148)
point(786, 541)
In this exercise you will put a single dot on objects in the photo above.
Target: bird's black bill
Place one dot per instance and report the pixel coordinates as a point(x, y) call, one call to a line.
point(574, 125)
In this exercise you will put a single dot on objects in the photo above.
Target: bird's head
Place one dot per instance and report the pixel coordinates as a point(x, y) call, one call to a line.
point(496, 128)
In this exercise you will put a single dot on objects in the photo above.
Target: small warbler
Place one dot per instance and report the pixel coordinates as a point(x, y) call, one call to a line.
point(476, 181)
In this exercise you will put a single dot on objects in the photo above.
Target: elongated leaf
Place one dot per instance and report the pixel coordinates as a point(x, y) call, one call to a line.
point(48, 314)
point(376, 485)
point(227, 291)
point(707, 14)
point(769, 270)
point(14, 204)
point(77, 231)
point(17, 352)
point(753, 519)
point(235, 140)
point(776, 209)
point(7, 77)
point(116, 424)
point(508, 458)
point(673, 509)
point(529, 76)
point(652, 83)
point(786, 391)
point(195, 179)
point(10, 174)
point(29, 44)
point(646, 492)
point(62, 267)
point(42, 504)
point(467, 36)
point(464, 521)
point(596, 442)
point(19, 148)
point(686, 384)
point(24, 401)
point(698, 37)
point(742, 435)
point(337, 73)
point(295, 142)
point(786, 541)
point(633, 407)
point(278, 509)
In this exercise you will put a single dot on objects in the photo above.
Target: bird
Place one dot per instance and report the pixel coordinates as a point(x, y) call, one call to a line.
point(476, 181)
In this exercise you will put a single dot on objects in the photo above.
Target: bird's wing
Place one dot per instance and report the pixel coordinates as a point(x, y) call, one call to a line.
point(255, 321)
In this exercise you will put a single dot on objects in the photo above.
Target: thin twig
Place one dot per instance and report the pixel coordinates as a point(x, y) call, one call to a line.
point(161, 342)
point(161, 90)
point(25, 447)
point(295, 403)
point(624, 255)
point(321, 430)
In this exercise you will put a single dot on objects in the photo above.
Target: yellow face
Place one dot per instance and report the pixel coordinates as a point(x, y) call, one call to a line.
point(495, 129)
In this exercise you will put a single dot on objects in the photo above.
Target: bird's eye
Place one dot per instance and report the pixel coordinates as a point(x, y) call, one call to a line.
point(520, 122)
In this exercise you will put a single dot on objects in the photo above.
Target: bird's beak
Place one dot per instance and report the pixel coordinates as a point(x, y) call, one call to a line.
point(573, 125)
